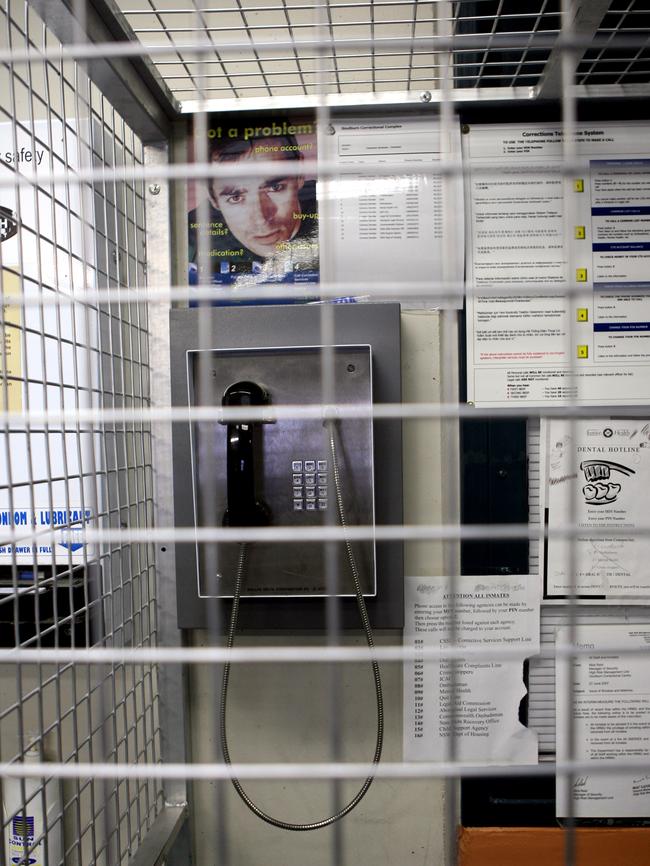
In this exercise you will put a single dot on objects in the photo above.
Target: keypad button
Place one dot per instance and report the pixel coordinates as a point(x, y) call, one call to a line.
point(310, 466)
point(298, 504)
point(310, 492)
point(310, 478)
point(311, 505)
point(297, 479)
point(322, 491)
point(296, 466)
point(297, 492)
point(322, 465)
point(322, 504)
point(322, 478)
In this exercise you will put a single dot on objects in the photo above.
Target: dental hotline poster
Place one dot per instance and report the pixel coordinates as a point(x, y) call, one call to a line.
point(246, 229)
point(597, 475)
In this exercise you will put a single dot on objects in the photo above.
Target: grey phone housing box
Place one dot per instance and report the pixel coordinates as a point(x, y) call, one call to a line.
point(279, 347)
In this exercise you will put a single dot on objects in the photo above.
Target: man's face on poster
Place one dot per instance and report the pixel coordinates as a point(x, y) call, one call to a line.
point(260, 212)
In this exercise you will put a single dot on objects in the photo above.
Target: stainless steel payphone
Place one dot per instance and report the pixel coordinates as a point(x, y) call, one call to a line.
point(298, 472)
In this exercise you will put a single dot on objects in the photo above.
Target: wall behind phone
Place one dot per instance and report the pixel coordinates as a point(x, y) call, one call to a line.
point(282, 713)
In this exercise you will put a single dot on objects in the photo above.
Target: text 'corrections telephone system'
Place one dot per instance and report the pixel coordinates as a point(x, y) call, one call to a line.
point(278, 470)
point(285, 472)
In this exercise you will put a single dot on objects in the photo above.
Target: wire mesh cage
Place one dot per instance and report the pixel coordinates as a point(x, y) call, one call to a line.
point(297, 242)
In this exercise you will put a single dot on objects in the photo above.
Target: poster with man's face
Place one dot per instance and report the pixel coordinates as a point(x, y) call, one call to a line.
point(249, 227)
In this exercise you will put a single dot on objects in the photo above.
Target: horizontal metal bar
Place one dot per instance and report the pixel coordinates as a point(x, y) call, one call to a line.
point(360, 291)
point(448, 166)
point(17, 421)
point(466, 42)
point(311, 25)
point(405, 770)
point(101, 656)
point(433, 66)
point(340, 55)
point(307, 25)
point(466, 97)
point(315, 534)
point(333, 6)
point(160, 837)
point(334, 76)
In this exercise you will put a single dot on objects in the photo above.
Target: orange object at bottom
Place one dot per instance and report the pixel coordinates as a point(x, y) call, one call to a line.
point(533, 846)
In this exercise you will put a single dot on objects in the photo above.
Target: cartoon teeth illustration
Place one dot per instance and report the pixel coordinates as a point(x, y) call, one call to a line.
point(599, 490)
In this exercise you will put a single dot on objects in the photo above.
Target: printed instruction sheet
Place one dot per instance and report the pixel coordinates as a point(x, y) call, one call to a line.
point(610, 718)
point(597, 477)
point(474, 700)
point(400, 227)
point(578, 242)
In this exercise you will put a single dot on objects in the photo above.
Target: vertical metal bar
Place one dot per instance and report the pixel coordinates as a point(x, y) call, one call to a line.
point(76, 719)
point(172, 686)
point(449, 426)
point(219, 838)
point(321, 22)
point(296, 55)
point(105, 613)
point(7, 434)
point(569, 153)
point(46, 450)
point(62, 669)
point(25, 736)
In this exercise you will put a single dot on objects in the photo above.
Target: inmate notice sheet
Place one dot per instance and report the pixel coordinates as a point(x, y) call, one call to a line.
point(472, 702)
point(577, 243)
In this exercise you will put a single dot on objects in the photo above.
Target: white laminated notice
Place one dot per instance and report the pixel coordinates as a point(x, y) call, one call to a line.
point(610, 717)
point(472, 702)
point(557, 264)
point(404, 223)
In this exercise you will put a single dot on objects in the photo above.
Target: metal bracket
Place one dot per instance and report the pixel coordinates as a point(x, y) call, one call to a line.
point(132, 86)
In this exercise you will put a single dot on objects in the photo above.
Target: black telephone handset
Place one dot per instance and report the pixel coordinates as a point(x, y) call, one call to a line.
point(244, 508)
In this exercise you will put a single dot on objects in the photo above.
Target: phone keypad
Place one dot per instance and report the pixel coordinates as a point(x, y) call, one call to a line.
point(309, 485)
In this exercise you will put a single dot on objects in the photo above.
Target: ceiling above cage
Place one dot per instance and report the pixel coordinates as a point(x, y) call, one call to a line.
point(260, 49)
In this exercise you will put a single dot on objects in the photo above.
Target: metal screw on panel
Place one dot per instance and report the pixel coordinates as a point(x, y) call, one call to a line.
point(502, 473)
point(154, 188)
point(425, 96)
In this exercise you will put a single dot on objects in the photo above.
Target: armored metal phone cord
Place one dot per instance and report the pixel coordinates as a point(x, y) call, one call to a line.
point(241, 570)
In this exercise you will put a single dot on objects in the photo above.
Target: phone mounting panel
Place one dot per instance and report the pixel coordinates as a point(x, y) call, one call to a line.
point(294, 470)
